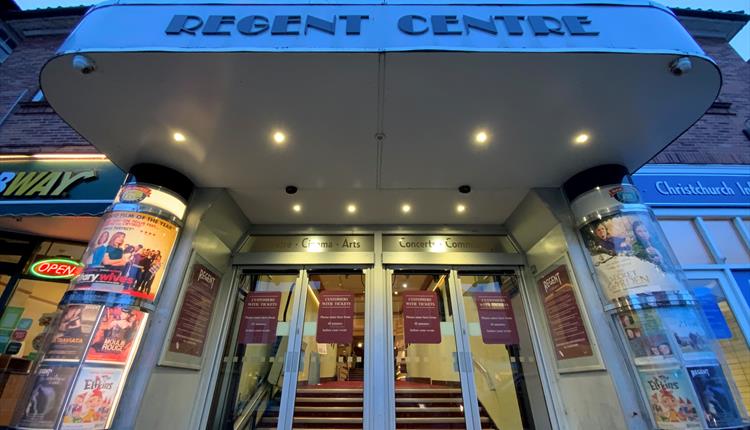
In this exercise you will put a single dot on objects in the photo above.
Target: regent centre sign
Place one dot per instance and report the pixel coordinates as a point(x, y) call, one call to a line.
point(355, 25)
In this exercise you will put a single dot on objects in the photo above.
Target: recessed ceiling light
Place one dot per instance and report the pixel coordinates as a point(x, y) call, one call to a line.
point(460, 208)
point(481, 137)
point(581, 139)
point(404, 285)
point(406, 208)
point(395, 293)
point(297, 208)
point(279, 137)
point(179, 137)
point(351, 208)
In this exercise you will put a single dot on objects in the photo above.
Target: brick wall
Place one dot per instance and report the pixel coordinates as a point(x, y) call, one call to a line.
point(32, 127)
point(717, 138)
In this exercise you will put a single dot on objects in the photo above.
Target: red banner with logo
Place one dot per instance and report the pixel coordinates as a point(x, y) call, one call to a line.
point(260, 317)
point(335, 318)
point(421, 317)
point(496, 318)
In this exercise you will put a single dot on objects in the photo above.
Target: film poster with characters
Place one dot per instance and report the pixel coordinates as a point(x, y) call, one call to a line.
point(72, 332)
point(128, 254)
point(715, 396)
point(629, 255)
point(670, 398)
point(115, 335)
point(92, 399)
point(47, 396)
point(646, 336)
point(685, 325)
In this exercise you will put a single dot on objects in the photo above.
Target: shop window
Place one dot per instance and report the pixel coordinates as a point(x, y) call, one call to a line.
point(728, 241)
point(29, 311)
point(7, 43)
point(727, 331)
point(686, 242)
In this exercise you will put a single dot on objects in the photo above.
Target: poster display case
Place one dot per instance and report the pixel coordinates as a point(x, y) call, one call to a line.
point(671, 346)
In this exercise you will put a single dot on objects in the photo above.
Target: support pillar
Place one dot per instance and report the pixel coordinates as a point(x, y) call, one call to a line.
point(88, 354)
point(672, 352)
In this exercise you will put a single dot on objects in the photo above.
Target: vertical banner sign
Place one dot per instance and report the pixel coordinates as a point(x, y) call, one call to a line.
point(496, 318)
point(195, 313)
point(421, 317)
point(563, 315)
point(260, 317)
point(127, 255)
point(335, 318)
point(719, 409)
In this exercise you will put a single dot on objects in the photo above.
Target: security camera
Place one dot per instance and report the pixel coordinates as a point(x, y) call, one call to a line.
point(291, 189)
point(680, 66)
point(83, 64)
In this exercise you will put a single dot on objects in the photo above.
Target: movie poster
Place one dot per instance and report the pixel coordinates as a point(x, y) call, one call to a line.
point(629, 256)
point(646, 336)
point(685, 325)
point(128, 255)
point(72, 333)
point(714, 395)
point(116, 335)
point(92, 399)
point(47, 396)
point(670, 399)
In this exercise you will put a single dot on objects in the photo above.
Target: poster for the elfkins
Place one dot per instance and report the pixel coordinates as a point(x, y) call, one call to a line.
point(629, 255)
point(92, 399)
point(671, 399)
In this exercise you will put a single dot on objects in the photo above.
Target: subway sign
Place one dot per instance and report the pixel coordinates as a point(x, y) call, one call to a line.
point(56, 268)
point(29, 183)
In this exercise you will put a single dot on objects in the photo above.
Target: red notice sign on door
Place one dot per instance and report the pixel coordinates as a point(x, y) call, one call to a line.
point(335, 318)
point(260, 317)
point(421, 317)
point(496, 318)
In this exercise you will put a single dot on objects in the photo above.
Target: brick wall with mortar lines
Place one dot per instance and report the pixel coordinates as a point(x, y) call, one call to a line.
point(717, 137)
point(32, 127)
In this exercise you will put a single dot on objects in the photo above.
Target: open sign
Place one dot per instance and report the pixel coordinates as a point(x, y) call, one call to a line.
point(56, 268)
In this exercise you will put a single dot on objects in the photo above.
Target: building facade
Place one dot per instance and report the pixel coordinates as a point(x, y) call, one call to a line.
point(365, 216)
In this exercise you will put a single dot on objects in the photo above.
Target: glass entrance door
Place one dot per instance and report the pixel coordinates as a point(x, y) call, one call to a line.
point(295, 353)
point(462, 352)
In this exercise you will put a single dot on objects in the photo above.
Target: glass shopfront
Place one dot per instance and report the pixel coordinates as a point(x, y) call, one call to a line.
point(302, 350)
